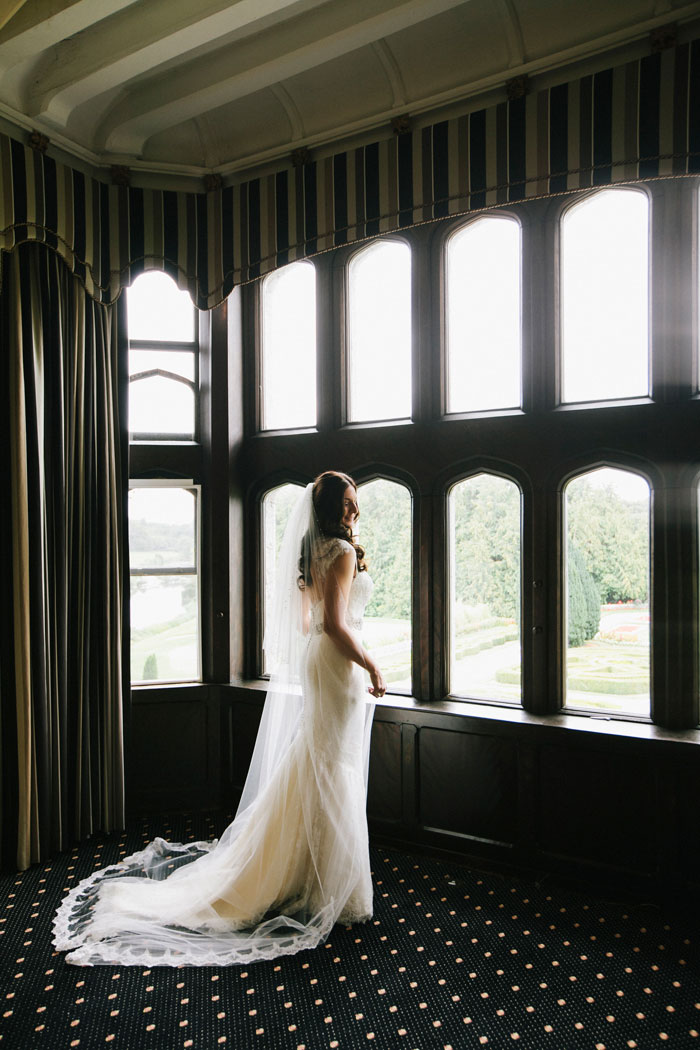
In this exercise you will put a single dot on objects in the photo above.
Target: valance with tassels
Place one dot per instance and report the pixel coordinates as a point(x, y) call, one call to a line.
point(637, 121)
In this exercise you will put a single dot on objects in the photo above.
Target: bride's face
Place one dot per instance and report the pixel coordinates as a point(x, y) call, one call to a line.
point(350, 508)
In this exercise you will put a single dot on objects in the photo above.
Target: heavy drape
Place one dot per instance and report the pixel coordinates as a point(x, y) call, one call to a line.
point(61, 568)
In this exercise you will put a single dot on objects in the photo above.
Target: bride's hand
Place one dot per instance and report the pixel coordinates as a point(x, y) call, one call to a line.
point(378, 686)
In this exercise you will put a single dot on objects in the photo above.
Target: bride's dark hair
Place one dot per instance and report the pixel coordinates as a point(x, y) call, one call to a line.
point(328, 499)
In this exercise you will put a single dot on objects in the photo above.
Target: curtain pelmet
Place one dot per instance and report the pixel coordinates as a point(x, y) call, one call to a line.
point(635, 121)
point(60, 669)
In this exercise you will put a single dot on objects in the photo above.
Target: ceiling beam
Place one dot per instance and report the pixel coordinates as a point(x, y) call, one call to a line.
point(138, 40)
point(8, 10)
point(266, 59)
point(40, 24)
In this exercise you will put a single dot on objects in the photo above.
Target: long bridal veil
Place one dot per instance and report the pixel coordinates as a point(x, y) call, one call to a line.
point(294, 860)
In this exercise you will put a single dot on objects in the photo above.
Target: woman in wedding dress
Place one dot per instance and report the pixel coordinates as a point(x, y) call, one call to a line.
point(295, 859)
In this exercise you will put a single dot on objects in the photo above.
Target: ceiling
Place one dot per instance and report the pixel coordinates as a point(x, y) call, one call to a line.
point(199, 86)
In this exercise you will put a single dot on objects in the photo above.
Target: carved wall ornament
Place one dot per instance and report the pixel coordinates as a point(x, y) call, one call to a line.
point(517, 87)
point(663, 37)
point(38, 141)
point(121, 175)
point(401, 125)
point(301, 156)
point(212, 182)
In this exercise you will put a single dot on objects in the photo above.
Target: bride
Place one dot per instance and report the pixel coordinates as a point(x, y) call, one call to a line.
point(295, 859)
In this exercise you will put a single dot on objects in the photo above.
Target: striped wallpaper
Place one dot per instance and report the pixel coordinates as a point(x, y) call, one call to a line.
point(637, 121)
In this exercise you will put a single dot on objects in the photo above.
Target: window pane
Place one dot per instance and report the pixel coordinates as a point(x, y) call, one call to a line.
point(277, 505)
point(178, 361)
point(162, 528)
point(164, 608)
point(164, 628)
point(483, 316)
point(161, 406)
point(289, 347)
point(157, 309)
point(484, 537)
point(605, 297)
point(384, 530)
point(379, 332)
point(607, 583)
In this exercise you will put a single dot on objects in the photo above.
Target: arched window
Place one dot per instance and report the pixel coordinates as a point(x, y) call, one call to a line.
point(288, 351)
point(484, 534)
point(384, 530)
point(607, 592)
point(164, 569)
point(163, 365)
point(379, 333)
point(277, 505)
point(483, 316)
point(605, 297)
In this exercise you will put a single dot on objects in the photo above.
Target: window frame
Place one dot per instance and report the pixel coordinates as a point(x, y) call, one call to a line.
point(163, 346)
point(187, 485)
point(538, 447)
point(475, 472)
point(260, 561)
point(568, 206)
point(448, 235)
point(344, 316)
point(259, 308)
point(385, 473)
point(201, 459)
point(646, 473)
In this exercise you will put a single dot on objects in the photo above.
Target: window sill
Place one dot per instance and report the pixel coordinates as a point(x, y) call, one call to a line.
point(605, 727)
point(173, 692)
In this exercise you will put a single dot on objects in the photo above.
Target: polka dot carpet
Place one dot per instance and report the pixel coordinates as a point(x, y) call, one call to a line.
point(452, 960)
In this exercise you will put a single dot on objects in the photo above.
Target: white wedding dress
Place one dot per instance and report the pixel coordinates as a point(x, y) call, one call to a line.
point(293, 862)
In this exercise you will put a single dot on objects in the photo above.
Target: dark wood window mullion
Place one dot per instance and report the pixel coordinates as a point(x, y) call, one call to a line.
point(531, 612)
point(549, 525)
point(425, 368)
point(539, 307)
point(674, 547)
point(672, 290)
point(328, 345)
point(213, 520)
point(251, 321)
point(338, 368)
point(425, 357)
point(539, 349)
point(438, 639)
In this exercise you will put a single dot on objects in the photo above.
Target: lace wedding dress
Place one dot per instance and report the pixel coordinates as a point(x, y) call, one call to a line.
point(293, 862)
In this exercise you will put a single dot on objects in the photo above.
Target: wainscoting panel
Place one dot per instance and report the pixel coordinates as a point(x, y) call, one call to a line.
point(173, 758)
point(468, 785)
point(683, 841)
point(614, 806)
point(598, 806)
point(384, 795)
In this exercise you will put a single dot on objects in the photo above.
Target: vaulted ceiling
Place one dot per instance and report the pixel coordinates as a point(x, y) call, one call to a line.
point(194, 86)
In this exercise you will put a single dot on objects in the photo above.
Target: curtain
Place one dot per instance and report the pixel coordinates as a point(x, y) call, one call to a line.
point(61, 564)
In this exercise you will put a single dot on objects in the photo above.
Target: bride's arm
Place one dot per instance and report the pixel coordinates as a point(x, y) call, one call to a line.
point(335, 592)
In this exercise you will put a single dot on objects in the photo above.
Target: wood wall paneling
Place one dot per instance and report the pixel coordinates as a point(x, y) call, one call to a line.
point(598, 806)
point(468, 785)
point(174, 748)
point(384, 792)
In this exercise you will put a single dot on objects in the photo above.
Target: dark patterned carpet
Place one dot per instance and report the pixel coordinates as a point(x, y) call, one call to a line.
point(453, 959)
